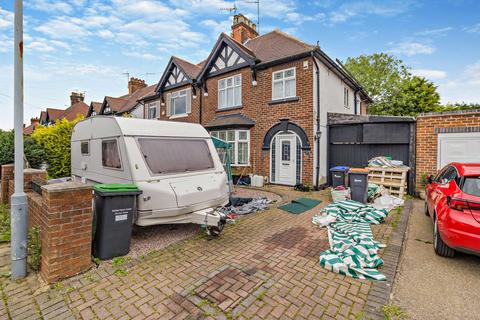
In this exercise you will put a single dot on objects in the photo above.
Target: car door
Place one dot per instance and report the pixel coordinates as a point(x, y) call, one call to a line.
point(436, 189)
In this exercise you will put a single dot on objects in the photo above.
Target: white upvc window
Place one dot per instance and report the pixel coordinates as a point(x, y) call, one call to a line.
point(107, 110)
point(284, 84)
point(179, 103)
point(230, 92)
point(346, 97)
point(240, 141)
point(153, 110)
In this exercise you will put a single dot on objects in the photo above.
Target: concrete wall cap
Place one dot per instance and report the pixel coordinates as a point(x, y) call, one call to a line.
point(66, 186)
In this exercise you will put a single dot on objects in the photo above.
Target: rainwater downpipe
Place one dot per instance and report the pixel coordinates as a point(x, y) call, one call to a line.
point(318, 132)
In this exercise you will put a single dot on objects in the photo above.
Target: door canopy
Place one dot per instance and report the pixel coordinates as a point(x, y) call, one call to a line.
point(285, 126)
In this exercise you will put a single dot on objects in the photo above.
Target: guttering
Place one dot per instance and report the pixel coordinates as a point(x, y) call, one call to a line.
point(200, 104)
point(355, 101)
point(317, 133)
point(268, 64)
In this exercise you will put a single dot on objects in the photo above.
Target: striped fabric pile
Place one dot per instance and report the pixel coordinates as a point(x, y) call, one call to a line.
point(353, 252)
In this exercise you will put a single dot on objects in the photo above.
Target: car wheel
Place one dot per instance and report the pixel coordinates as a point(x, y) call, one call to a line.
point(426, 209)
point(440, 247)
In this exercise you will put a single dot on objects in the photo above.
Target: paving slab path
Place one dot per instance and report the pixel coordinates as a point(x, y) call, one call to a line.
point(432, 287)
point(264, 267)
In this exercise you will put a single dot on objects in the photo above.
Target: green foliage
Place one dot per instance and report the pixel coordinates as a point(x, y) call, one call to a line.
point(4, 224)
point(393, 89)
point(55, 140)
point(34, 248)
point(424, 178)
point(459, 106)
point(33, 152)
point(393, 312)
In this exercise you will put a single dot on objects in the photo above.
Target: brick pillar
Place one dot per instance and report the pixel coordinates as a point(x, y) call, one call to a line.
point(65, 218)
point(6, 174)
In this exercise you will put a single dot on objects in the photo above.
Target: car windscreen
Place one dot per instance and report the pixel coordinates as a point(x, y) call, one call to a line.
point(471, 185)
point(165, 155)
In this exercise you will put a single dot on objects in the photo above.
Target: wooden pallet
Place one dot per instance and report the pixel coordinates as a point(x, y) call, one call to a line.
point(392, 179)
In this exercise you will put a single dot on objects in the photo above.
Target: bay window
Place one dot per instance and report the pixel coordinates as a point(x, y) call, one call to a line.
point(239, 140)
point(230, 92)
point(283, 85)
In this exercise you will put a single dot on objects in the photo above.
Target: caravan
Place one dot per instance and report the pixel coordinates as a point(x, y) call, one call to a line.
point(174, 164)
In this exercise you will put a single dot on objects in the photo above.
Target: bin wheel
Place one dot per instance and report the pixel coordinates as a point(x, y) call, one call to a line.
point(215, 231)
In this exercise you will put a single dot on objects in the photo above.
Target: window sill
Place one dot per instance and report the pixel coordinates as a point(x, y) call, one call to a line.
point(240, 165)
point(286, 100)
point(229, 108)
point(183, 115)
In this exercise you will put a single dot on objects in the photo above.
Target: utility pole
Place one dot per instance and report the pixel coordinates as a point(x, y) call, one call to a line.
point(19, 207)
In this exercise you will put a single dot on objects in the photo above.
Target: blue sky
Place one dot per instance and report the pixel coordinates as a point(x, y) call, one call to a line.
point(86, 45)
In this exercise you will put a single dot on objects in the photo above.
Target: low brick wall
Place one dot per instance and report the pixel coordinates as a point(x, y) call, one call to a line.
point(429, 126)
point(63, 212)
point(6, 174)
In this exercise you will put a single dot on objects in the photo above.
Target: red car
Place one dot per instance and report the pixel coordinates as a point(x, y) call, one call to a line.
point(453, 203)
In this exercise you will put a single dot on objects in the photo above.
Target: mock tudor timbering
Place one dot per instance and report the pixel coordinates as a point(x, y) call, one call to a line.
point(245, 85)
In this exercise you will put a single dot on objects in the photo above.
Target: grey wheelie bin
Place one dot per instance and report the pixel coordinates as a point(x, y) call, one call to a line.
point(358, 183)
point(339, 175)
point(114, 209)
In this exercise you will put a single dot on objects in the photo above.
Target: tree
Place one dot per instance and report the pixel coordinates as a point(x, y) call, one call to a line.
point(33, 152)
point(394, 91)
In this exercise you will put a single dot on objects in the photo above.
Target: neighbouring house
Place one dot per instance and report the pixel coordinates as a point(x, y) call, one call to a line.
point(267, 95)
point(129, 104)
point(28, 130)
point(77, 107)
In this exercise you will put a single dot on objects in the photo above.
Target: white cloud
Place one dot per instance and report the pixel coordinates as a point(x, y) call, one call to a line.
point(217, 27)
point(347, 11)
point(430, 74)
point(463, 88)
point(6, 18)
point(50, 6)
point(105, 34)
point(141, 55)
point(6, 43)
point(63, 28)
point(434, 32)
point(411, 48)
point(473, 29)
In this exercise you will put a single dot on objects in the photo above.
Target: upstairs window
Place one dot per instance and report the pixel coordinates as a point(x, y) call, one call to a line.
point(179, 103)
point(230, 92)
point(107, 110)
point(346, 98)
point(153, 110)
point(284, 85)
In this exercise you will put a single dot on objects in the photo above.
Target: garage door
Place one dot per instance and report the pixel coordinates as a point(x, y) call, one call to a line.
point(460, 147)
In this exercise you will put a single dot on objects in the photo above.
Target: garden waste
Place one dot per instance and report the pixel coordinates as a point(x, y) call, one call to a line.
point(353, 251)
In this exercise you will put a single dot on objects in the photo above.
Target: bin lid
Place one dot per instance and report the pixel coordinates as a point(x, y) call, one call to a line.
point(359, 170)
point(340, 168)
point(115, 187)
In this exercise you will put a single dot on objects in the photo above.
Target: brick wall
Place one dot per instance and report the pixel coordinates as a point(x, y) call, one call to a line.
point(63, 212)
point(255, 105)
point(427, 137)
point(6, 174)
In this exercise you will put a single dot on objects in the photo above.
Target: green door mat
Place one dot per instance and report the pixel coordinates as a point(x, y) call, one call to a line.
point(300, 205)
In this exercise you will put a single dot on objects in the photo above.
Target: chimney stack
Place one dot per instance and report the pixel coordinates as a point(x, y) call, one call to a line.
point(34, 121)
point(76, 97)
point(135, 84)
point(243, 29)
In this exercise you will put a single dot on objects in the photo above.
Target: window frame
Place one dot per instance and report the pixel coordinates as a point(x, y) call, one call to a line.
point(346, 97)
point(294, 77)
point(118, 151)
point(88, 147)
point(234, 87)
point(152, 105)
point(236, 142)
point(175, 95)
point(107, 110)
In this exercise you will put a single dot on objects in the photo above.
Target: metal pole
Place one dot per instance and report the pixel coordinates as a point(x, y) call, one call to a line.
point(19, 208)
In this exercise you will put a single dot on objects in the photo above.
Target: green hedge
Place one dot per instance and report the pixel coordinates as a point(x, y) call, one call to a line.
point(55, 141)
point(33, 151)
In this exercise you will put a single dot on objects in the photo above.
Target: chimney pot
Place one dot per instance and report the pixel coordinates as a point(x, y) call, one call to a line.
point(135, 84)
point(76, 97)
point(243, 29)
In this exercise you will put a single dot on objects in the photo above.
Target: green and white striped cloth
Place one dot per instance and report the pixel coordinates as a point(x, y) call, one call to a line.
point(353, 251)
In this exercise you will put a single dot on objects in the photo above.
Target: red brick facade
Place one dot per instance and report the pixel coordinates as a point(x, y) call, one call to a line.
point(427, 137)
point(255, 105)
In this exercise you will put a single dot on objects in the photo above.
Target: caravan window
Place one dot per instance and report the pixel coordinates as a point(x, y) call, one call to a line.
point(110, 154)
point(85, 148)
point(175, 155)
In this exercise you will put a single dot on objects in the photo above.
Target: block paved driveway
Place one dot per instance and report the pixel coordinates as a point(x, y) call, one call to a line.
point(263, 267)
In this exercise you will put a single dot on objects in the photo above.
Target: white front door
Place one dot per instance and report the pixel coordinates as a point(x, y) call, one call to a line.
point(285, 159)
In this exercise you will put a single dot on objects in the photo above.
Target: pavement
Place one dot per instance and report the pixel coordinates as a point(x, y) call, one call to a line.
point(433, 287)
point(266, 266)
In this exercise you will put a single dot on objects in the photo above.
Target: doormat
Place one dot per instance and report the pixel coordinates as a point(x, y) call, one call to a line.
point(300, 205)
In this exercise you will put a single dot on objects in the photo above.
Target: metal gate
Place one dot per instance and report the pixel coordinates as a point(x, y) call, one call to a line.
point(355, 139)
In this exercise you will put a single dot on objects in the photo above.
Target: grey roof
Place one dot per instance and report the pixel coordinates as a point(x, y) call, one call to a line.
point(231, 121)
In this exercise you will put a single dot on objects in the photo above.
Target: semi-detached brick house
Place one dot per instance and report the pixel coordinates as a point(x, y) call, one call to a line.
point(267, 95)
